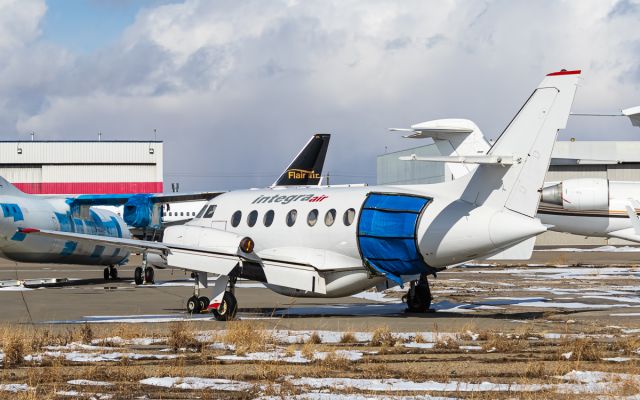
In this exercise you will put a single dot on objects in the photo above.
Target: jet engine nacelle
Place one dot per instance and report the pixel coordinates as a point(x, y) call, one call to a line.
point(579, 194)
point(208, 238)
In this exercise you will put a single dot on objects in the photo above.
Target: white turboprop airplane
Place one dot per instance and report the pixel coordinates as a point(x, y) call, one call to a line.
point(338, 241)
point(594, 207)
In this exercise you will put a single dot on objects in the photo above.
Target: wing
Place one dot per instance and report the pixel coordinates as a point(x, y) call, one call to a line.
point(281, 269)
point(120, 199)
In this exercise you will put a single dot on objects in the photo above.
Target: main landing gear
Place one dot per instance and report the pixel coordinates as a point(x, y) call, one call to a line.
point(143, 274)
point(110, 272)
point(224, 305)
point(418, 297)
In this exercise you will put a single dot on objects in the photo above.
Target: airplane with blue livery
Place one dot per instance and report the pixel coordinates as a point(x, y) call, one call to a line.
point(328, 241)
point(81, 215)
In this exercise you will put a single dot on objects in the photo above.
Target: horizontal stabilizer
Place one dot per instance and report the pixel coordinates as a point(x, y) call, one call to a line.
point(482, 159)
point(520, 251)
point(634, 115)
point(438, 129)
point(626, 234)
point(121, 199)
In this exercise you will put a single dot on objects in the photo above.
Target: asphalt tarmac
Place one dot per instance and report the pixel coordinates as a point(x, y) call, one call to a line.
point(556, 287)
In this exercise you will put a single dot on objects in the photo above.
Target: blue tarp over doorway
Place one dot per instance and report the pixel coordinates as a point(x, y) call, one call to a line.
point(387, 234)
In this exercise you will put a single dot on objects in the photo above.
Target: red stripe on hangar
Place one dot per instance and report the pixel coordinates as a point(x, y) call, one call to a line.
point(90, 187)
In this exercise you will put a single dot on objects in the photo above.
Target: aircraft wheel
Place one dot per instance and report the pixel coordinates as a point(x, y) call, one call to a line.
point(113, 272)
point(149, 275)
point(137, 276)
point(106, 274)
point(418, 298)
point(227, 309)
point(193, 305)
point(204, 303)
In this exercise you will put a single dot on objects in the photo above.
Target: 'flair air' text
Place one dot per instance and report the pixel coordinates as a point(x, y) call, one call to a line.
point(288, 199)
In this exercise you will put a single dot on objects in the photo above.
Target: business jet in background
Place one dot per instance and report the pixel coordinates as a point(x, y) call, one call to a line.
point(304, 170)
point(595, 207)
point(338, 241)
point(80, 215)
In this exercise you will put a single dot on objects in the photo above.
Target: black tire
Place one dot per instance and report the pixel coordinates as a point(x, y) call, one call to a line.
point(227, 309)
point(137, 276)
point(193, 305)
point(106, 274)
point(113, 273)
point(418, 299)
point(204, 303)
point(149, 275)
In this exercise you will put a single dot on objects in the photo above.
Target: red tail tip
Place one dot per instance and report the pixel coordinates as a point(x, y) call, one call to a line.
point(565, 72)
point(28, 230)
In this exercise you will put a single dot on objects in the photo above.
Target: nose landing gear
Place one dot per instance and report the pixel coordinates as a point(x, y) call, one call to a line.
point(418, 297)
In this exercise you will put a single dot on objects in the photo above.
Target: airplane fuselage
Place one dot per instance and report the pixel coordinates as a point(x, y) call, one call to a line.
point(353, 234)
point(54, 213)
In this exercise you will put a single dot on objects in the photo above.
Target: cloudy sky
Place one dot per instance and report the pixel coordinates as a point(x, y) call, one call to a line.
point(235, 88)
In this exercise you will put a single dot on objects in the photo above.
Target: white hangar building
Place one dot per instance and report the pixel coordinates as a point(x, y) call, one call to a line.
point(83, 167)
point(614, 160)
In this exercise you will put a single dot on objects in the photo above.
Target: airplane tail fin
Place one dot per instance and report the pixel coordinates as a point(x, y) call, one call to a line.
point(7, 188)
point(528, 140)
point(306, 167)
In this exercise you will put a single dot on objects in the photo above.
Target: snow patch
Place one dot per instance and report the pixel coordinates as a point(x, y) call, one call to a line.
point(195, 383)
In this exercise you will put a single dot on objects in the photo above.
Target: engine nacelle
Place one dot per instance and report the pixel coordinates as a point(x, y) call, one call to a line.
point(208, 238)
point(582, 194)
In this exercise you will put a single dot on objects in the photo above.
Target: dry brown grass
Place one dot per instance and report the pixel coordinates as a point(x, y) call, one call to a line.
point(86, 333)
point(447, 343)
point(628, 345)
point(314, 338)
point(504, 343)
point(182, 336)
point(13, 346)
point(247, 338)
point(382, 337)
point(348, 337)
point(582, 349)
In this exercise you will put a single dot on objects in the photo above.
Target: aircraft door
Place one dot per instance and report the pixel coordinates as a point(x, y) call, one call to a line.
point(386, 234)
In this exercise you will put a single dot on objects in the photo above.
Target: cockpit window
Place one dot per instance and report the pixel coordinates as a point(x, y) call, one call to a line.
point(210, 211)
point(202, 210)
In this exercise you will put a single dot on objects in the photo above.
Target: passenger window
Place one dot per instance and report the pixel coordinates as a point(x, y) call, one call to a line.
point(291, 217)
point(235, 218)
point(252, 218)
point(210, 211)
point(182, 213)
point(312, 218)
point(268, 218)
point(199, 212)
point(349, 216)
point(330, 217)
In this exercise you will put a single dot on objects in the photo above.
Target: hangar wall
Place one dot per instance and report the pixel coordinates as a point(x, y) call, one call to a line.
point(83, 167)
point(613, 160)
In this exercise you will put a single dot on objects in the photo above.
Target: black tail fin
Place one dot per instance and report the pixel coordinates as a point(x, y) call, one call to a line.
point(306, 168)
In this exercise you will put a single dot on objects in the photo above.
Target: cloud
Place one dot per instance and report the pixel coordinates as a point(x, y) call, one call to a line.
point(236, 88)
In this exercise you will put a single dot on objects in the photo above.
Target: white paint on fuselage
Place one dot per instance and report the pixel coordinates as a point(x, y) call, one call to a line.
point(447, 230)
point(40, 213)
